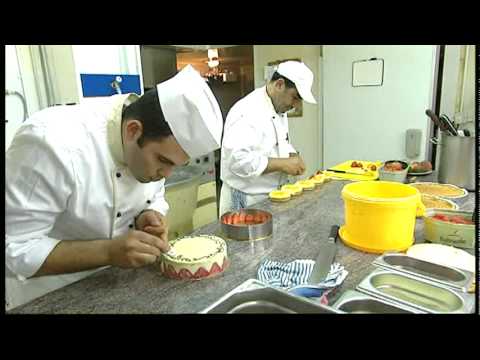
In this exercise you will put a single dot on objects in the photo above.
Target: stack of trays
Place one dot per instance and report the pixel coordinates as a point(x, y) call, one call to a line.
point(402, 284)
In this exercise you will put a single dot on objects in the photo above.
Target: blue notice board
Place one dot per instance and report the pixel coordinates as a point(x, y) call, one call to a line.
point(101, 84)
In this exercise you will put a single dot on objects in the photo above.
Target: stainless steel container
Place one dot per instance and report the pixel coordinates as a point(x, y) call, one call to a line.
point(254, 297)
point(445, 275)
point(247, 232)
point(457, 161)
point(354, 302)
point(415, 292)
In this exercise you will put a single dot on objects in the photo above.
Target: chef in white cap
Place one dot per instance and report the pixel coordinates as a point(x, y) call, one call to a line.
point(85, 184)
point(257, 155)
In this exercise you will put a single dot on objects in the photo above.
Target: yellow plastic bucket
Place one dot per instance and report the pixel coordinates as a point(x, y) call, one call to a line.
point(380, 215)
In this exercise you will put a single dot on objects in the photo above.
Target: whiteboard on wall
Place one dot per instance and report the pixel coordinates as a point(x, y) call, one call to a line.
point(367, 72)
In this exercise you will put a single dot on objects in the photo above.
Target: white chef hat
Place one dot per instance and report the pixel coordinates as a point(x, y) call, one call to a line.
point(192, 112)
point(298, 73)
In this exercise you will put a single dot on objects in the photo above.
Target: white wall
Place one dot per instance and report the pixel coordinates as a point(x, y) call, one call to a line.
point(451, 69)
point(106, 59)
point(62, 74)
point(14, 115)
point(304, 131)
point(467, 104)
point(14, 111)
point(28, 78)
point(66, 62)
point(369, 123)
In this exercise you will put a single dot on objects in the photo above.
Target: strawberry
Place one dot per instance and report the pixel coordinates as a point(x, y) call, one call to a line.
point(215, 269)
point(200, 273)
point(235, 219)
point(171, 273)
point(440, 217)
point(461, 220)
point(185, 274)
point(241, 217)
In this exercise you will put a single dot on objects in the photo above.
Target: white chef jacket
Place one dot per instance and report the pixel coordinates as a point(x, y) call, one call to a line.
point(254, 132)
point(66, 179)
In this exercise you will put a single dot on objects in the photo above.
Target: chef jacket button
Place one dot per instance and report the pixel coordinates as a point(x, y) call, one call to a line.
point(130, 226)
point(119, 214)
point(149, 202)
point(118, 174)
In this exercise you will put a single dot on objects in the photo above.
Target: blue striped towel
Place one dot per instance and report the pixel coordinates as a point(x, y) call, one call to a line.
point(293, 277)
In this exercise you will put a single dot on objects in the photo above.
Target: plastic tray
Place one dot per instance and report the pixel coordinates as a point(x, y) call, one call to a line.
point(346, 166)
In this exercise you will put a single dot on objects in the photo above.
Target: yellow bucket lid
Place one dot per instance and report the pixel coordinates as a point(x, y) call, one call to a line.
point(380, 192)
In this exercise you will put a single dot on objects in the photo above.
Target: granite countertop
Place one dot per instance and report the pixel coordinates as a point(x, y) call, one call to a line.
point(298, 227)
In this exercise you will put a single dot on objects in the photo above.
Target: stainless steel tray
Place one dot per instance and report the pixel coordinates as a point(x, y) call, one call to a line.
point(354, 302)
point(247, 232)
point(444, 275)
point(253, 297)
point(415, 292)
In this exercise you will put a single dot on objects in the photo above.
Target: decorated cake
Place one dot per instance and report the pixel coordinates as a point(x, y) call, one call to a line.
point(195, 257)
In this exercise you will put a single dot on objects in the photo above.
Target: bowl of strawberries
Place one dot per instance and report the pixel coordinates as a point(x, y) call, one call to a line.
point(450, 227)
point(394, 170)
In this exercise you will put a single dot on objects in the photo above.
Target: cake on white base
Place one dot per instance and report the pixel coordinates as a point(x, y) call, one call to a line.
point(195, 257)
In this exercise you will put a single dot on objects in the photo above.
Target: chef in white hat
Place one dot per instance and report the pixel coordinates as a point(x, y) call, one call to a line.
point(85, 184)
point(257, 155)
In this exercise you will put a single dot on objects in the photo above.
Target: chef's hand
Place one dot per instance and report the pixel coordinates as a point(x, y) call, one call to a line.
point(153, 223)
point(135, 249)
point(300, 159)
point(294, 165)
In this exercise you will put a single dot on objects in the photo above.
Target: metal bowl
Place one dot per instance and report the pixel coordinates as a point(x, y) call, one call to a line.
point(396, 176)
point(247, 232)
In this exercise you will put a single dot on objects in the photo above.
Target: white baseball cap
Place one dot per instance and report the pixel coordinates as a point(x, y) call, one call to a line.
point(192, 112)
point(298, 73)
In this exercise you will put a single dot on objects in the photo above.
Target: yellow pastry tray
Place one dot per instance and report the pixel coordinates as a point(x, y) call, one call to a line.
point(359, 174)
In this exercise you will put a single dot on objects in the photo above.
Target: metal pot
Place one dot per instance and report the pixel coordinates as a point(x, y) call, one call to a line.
point(457, 161)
